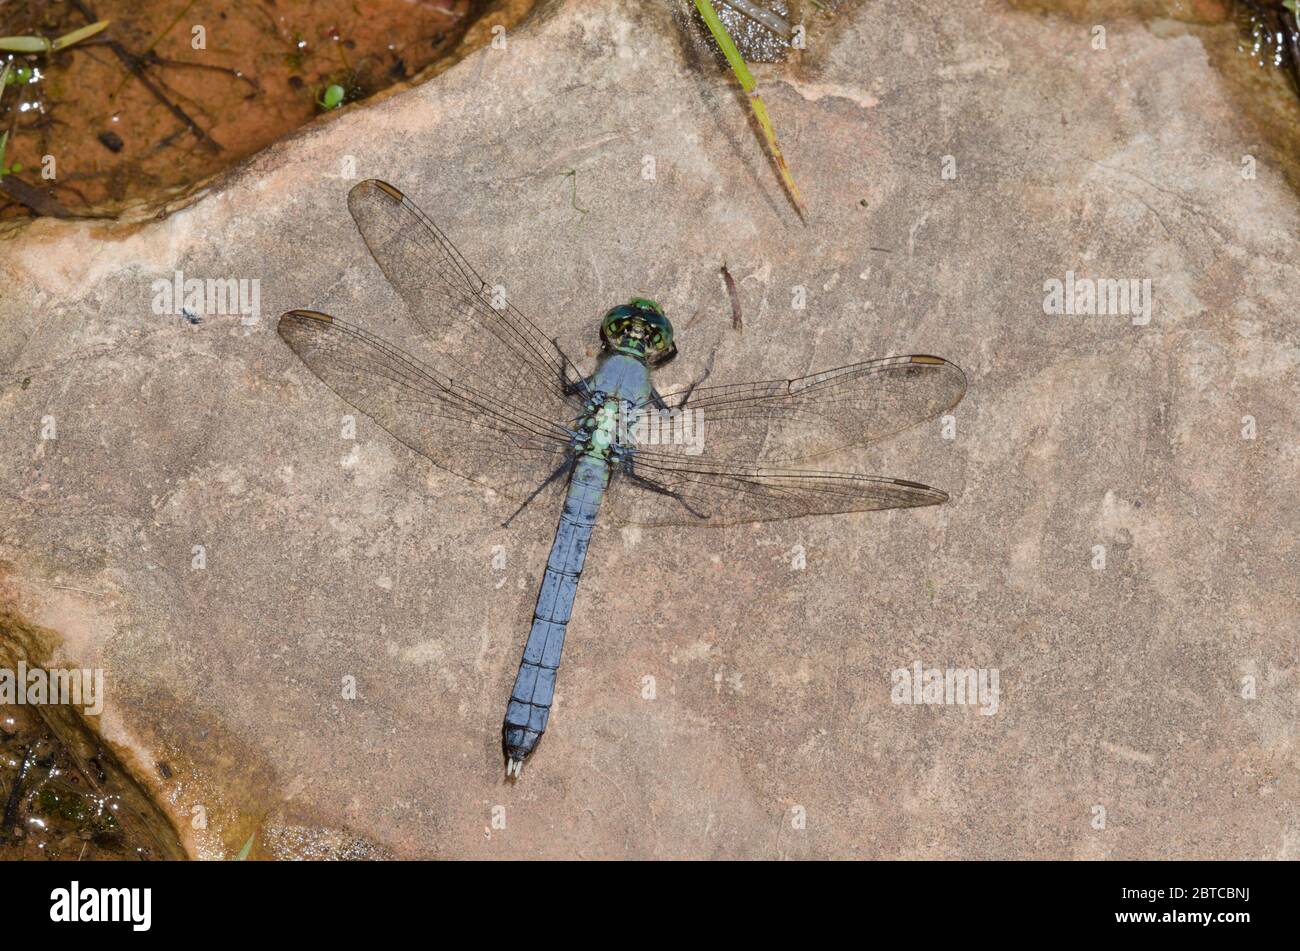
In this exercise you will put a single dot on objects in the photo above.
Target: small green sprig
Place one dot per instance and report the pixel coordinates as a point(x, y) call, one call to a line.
point(43, 44)
point(332, 97)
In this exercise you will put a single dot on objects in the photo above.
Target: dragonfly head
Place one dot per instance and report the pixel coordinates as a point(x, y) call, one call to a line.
point(639, 329)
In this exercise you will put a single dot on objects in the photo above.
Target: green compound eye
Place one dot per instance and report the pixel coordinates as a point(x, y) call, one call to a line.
point(645, 303)
point(644, 321)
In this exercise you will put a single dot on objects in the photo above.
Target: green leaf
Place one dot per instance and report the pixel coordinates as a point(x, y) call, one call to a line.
point(248, 847)
point(25, 44)
point(332, 98)
point(39, 44)
point(76, 36)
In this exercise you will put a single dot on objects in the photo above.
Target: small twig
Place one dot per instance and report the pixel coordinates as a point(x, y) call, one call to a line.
point(68, 587)
point(33, 198)
point(155, 60)
point(125, 55)
point(737, 323)
point(572, 174)
point(762, 16)
point(149, 48)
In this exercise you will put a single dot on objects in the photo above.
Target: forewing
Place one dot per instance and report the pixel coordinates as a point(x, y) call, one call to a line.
point(476, 333)
point(470, 433)
point(791, 420)
point(668, 489)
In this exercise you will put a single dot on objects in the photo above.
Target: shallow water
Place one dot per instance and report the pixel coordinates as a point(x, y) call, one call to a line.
point(64, 793)
point(213, 83)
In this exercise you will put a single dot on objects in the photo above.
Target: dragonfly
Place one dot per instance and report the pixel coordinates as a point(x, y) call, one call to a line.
point(502, 406)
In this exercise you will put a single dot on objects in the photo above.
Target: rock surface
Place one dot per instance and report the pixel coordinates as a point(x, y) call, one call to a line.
point(771, 732)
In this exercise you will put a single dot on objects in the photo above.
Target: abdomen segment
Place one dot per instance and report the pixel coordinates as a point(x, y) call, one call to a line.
point(534, 689)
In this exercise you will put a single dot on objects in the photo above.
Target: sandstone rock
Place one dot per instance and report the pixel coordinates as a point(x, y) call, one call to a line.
point(772, 732)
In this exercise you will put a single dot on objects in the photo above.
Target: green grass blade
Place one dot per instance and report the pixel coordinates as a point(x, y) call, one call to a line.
point(39, 44)
point(25, 44)
point(737, 63)
point(4, 136)
point(734, 59)
point(76, 36)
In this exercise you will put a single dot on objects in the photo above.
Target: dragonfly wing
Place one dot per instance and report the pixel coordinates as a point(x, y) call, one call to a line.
point(789, 420)
point(473, 434)
point(477, 334)
point(668, 489)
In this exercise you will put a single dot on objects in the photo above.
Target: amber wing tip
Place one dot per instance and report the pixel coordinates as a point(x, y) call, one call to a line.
point(383, 186)
point(306, 315)
point(292, 323)
point(937, 496)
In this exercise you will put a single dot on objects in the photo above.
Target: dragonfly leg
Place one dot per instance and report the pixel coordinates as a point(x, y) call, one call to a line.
point(560, 470)
point(658, 400)
point(658, 489)
point(570, 387)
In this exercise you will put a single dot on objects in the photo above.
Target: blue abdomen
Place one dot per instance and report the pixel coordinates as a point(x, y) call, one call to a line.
point(534, 689)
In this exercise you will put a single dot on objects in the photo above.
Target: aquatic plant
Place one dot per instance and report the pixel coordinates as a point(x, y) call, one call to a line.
point(42, 44)
point(332, 97)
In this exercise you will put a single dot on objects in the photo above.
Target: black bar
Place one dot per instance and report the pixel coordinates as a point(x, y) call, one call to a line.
point(934, 903)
